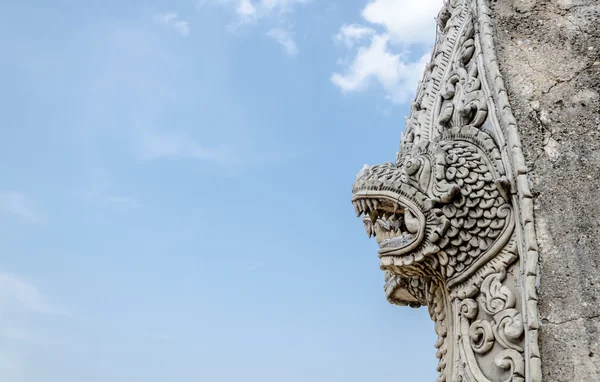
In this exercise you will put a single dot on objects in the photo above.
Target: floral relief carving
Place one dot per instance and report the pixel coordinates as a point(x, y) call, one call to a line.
point(499, 324)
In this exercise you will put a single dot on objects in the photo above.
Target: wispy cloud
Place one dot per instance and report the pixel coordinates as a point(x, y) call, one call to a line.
point(160, 336)
point(18, 204)
point(170, 20)
point(12, 365)
point(103, 191)
point(159, 145)
point(286, 40)
point(122, 201)
point(151, 144)
point(272, 12)
point(18, 294)
point(25, 310)
point(118, 202)
point(262, 8)
point(256, 266)
point(384, 57)
point(14, 333)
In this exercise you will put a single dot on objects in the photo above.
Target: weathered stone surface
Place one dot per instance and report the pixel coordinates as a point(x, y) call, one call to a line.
point(570, 350)
point(549, 55)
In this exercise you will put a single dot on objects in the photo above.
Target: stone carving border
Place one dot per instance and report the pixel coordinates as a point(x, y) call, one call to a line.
point(523, 200)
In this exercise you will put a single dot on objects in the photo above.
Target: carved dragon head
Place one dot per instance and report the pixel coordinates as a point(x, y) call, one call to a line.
point(440, 208)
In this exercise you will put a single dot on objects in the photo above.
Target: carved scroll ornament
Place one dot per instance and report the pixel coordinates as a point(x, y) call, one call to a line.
point(453, 215)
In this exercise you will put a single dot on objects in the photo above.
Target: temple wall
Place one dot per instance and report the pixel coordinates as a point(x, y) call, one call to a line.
point(549, 55)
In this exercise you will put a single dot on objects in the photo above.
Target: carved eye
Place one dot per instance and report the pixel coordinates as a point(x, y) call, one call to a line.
point(403, 178)
point(412, 166)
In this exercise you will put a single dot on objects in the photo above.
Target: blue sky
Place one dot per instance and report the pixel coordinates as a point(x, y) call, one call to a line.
point(175, 198)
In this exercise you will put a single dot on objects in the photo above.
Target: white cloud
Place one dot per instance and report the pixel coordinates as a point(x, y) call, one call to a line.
point(286, 40)
point(384, 57)
point(406, 21)
point(170, 20)
point(270, 4)
point(352, 34)
point(182, 27)
point(376, 62)
point(245, 8)
point(18, 204)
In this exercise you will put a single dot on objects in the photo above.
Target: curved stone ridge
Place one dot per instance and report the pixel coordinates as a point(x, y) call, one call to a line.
point(453, 215)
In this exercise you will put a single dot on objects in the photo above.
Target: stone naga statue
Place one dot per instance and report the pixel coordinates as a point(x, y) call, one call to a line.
point(453, 215)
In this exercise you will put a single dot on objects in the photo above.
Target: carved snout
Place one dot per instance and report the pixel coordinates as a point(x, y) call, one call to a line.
point(399, 291)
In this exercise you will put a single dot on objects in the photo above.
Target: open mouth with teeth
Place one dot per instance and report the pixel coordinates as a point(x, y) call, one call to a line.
point(397, 225)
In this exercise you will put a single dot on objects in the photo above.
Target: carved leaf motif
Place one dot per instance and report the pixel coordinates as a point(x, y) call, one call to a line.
point(494, 296)
point(509, 328)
